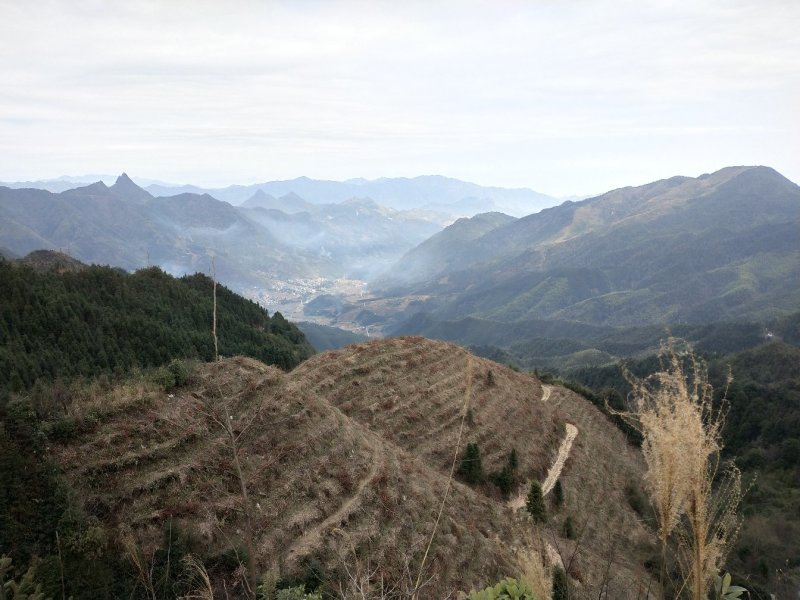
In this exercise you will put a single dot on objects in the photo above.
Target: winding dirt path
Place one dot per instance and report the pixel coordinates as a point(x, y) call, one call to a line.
point(552, 475)
point(311, 538)
point(558, 465)
point(563, 454)
point(546, 391)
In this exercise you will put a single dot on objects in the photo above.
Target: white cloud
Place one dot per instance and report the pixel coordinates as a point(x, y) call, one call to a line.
point(514, 93)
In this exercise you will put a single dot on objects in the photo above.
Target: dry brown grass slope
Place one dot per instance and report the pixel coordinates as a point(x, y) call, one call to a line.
point(346, 459)
point(410, 390)
point(612, 542)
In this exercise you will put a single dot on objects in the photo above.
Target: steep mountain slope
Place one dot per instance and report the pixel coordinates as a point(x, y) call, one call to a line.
point(124, 227)
point(49, 260)
point(724, 245)
point(93, 223)
point(346, 460)
point(444, 251)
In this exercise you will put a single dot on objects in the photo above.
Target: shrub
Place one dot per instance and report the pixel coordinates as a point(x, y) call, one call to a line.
point(636, 499)
point(180, 372)
point(560, 584)
point(569, 528)
point(470, 417)
point(507, 589)
point(471, 469)
point(297, 593)
point(61, 430)
point(535, 503)
point(164, 378)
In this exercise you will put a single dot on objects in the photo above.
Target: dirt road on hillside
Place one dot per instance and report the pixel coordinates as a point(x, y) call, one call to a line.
point(558, 465)
point(546, 391)
point(313, 536)
point(563, 454)
point(553, 474)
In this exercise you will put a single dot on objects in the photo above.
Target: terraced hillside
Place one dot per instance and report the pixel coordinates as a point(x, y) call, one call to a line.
point(345, 461)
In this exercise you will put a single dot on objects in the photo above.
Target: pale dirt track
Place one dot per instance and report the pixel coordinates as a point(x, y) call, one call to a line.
point(552, 474)
point(546, 391)
point(558, 465)
point(563, 454)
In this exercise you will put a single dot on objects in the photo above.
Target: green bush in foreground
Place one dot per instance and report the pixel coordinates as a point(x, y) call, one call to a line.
point(507, 589)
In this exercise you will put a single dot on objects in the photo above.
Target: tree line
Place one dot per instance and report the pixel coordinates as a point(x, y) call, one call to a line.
point(102, 320)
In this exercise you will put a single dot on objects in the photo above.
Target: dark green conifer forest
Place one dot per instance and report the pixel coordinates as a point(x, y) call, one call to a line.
point(100, 320)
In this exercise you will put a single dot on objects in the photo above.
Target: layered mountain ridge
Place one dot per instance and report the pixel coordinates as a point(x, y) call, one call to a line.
point(719, 246)
point(125, 226)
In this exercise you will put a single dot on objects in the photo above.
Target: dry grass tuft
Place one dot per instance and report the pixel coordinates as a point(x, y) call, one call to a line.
point(681, 429)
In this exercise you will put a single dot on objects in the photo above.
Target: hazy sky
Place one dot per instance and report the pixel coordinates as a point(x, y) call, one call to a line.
point(565, 97)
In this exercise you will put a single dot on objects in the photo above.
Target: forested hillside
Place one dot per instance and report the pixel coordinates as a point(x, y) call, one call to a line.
point(722, 246)
point(99, 320)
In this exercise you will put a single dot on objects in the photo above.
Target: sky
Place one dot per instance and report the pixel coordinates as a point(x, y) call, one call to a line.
point(564, 97)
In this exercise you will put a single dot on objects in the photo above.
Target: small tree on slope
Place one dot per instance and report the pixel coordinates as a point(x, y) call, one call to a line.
point(535, 503)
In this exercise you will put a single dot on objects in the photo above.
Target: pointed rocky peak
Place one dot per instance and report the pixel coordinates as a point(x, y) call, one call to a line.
point(124, 180)
point(260, 198)
point(125, 188)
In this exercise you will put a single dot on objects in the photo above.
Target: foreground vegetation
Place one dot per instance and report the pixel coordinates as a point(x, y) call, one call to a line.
point(762, 433)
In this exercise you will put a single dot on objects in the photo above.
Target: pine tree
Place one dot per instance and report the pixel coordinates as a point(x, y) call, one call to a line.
point(513, 461)
point(506, 479)
point(569, 528)
point(558, 494)
point(535, 503)
point(471, 469)
point(560, 589)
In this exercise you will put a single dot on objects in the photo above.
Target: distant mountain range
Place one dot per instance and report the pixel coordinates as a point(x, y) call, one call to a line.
point(721, 246)
point(124, 225)
point(433, 193)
